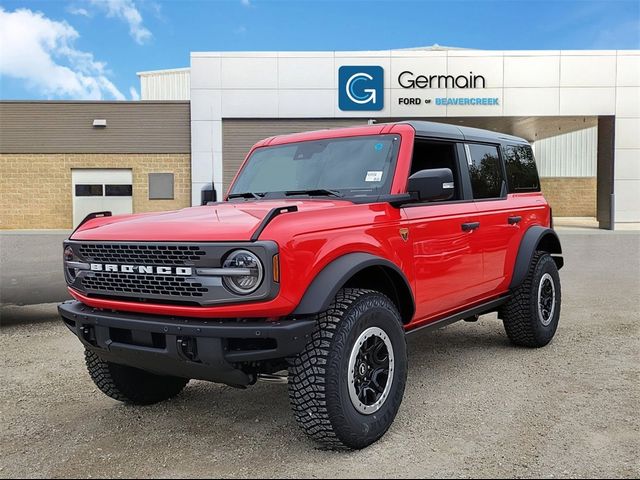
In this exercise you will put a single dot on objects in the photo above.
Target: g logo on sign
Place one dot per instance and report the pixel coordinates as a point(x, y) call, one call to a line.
point(361, 88)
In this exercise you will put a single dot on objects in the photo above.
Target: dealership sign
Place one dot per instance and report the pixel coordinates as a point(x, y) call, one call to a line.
point(362, 88)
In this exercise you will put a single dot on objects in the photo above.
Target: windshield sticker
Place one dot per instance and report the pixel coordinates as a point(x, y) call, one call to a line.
point(373, 176)
point(378, 146)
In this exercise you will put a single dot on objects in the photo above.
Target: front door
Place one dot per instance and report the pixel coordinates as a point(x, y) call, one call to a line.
point(447, 257)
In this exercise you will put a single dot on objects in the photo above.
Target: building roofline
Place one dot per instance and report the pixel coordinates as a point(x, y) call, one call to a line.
point(167, 70)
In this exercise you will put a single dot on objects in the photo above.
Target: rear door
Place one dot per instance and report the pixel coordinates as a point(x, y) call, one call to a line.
point(498, 234)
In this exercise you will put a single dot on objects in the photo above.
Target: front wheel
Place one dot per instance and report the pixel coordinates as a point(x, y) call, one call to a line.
point(131, 385)
point(531, 315)
point(346, 386)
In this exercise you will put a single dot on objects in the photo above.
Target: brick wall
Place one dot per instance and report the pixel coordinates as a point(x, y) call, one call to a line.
point(35, 189)
point(570, 196)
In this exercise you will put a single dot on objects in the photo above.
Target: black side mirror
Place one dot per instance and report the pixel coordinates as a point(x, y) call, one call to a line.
point(435, 184)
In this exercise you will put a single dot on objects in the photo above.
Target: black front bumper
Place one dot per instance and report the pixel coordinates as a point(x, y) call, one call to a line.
point(214, 349)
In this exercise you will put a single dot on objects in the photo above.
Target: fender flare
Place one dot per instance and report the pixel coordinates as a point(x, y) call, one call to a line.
point(324, 287)
point(535, 237)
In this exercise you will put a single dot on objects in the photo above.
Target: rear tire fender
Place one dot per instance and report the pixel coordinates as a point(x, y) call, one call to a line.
point(536, 238)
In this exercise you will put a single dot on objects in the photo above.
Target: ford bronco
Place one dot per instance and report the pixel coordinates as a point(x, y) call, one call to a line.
point(328, 249)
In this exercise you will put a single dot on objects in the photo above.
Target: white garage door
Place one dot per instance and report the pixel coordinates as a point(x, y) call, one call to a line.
point(98, 190)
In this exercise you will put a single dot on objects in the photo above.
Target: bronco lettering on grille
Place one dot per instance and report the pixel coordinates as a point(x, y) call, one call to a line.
point(109, 267)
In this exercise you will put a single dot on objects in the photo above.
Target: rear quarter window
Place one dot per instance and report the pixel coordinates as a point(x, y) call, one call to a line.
point(522, 174)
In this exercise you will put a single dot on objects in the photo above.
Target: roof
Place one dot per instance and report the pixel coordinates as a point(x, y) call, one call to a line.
point(454, 132)
point(422, 128)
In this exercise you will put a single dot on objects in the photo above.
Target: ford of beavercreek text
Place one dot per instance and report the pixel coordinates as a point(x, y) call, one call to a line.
point(329, 248)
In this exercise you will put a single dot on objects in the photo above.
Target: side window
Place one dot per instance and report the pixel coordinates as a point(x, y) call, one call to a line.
point(428, 154)
point(522, 173)
point(485, 171)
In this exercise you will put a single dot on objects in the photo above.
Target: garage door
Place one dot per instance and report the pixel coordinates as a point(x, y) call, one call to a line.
point(238, 136)
point(99, 189)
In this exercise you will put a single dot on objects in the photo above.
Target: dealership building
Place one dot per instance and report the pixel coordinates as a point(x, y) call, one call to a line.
point(193, 127)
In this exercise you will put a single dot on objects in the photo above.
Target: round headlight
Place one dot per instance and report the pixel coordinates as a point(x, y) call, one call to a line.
point(247, 272)
point(68, 254)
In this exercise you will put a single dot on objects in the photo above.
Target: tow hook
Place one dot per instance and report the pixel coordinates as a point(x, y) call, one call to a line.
point(88, 334)
point(188, 348)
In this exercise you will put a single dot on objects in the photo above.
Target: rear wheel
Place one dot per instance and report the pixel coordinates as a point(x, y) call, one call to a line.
point(131, 385)
point(347, 385)
point(531, 316)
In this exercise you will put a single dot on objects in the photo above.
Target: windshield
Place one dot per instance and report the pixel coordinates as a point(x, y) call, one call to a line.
point(344, 167)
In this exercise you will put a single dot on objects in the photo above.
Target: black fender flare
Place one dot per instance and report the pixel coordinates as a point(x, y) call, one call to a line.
point(324, 287)
point(535, 238)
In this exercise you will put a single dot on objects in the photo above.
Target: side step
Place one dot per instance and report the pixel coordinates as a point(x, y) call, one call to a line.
point(470, 315)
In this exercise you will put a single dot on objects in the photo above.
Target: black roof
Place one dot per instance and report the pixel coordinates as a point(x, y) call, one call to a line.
point(455, 132)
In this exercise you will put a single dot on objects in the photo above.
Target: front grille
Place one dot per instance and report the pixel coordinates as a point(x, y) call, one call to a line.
point(165, 285)
point(162, 272)
point(142, 254)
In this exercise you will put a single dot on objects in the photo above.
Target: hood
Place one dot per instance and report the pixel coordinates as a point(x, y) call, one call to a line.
point(224, 221)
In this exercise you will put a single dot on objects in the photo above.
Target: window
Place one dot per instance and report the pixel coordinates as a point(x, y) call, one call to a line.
point(430, 154)
point(485, 171)
point(521, 169)
point(88, 190)
point(161, 186)
point(353, 166)
point(118, 190)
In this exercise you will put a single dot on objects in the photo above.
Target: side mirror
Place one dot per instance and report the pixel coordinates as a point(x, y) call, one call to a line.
point(432, 185)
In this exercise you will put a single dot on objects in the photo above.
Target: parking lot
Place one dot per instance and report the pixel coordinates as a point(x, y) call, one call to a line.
point(474, 405)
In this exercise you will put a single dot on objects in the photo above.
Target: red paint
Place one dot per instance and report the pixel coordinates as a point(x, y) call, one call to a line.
point(447, 268)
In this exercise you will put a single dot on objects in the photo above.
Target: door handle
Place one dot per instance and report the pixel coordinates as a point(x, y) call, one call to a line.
point(514, 219)
point(467, 227)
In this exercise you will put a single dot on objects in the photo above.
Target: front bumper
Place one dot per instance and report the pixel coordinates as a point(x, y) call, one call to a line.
point(214, 350)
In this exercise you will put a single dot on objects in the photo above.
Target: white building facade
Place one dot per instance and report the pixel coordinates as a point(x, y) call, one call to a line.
point(583, 106)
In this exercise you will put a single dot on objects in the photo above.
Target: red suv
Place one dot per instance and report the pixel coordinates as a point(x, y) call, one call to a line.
point(330, 247)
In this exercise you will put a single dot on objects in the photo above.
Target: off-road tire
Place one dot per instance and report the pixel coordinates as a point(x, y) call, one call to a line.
point(131, 385)
point(522, 320)
point(318, 376)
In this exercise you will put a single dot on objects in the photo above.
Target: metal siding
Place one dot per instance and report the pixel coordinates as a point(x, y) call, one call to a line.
point(166, 85)
point(572, 154)
point(67, 127)
point(238, 136)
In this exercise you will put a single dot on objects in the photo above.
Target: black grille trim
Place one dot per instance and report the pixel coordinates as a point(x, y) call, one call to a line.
point(142, 254)
point(164, 285)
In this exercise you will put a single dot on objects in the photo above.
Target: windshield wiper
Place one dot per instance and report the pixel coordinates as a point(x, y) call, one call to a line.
point(314, 192)
point(246, 195)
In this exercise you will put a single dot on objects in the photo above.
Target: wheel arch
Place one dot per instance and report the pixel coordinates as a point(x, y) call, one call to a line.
point(361, 270)
point(535, 238)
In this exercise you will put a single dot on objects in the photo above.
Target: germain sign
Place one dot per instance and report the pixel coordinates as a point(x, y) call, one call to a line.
point(362, 88)
point(408, 79)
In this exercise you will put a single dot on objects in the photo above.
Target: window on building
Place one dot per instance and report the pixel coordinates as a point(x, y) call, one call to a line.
point(522, 174)
point(118, 190)
point(485, 171)
point(84, 190)
point(161, 186)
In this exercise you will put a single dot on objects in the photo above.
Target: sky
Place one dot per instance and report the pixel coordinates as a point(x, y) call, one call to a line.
point(92, 49)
